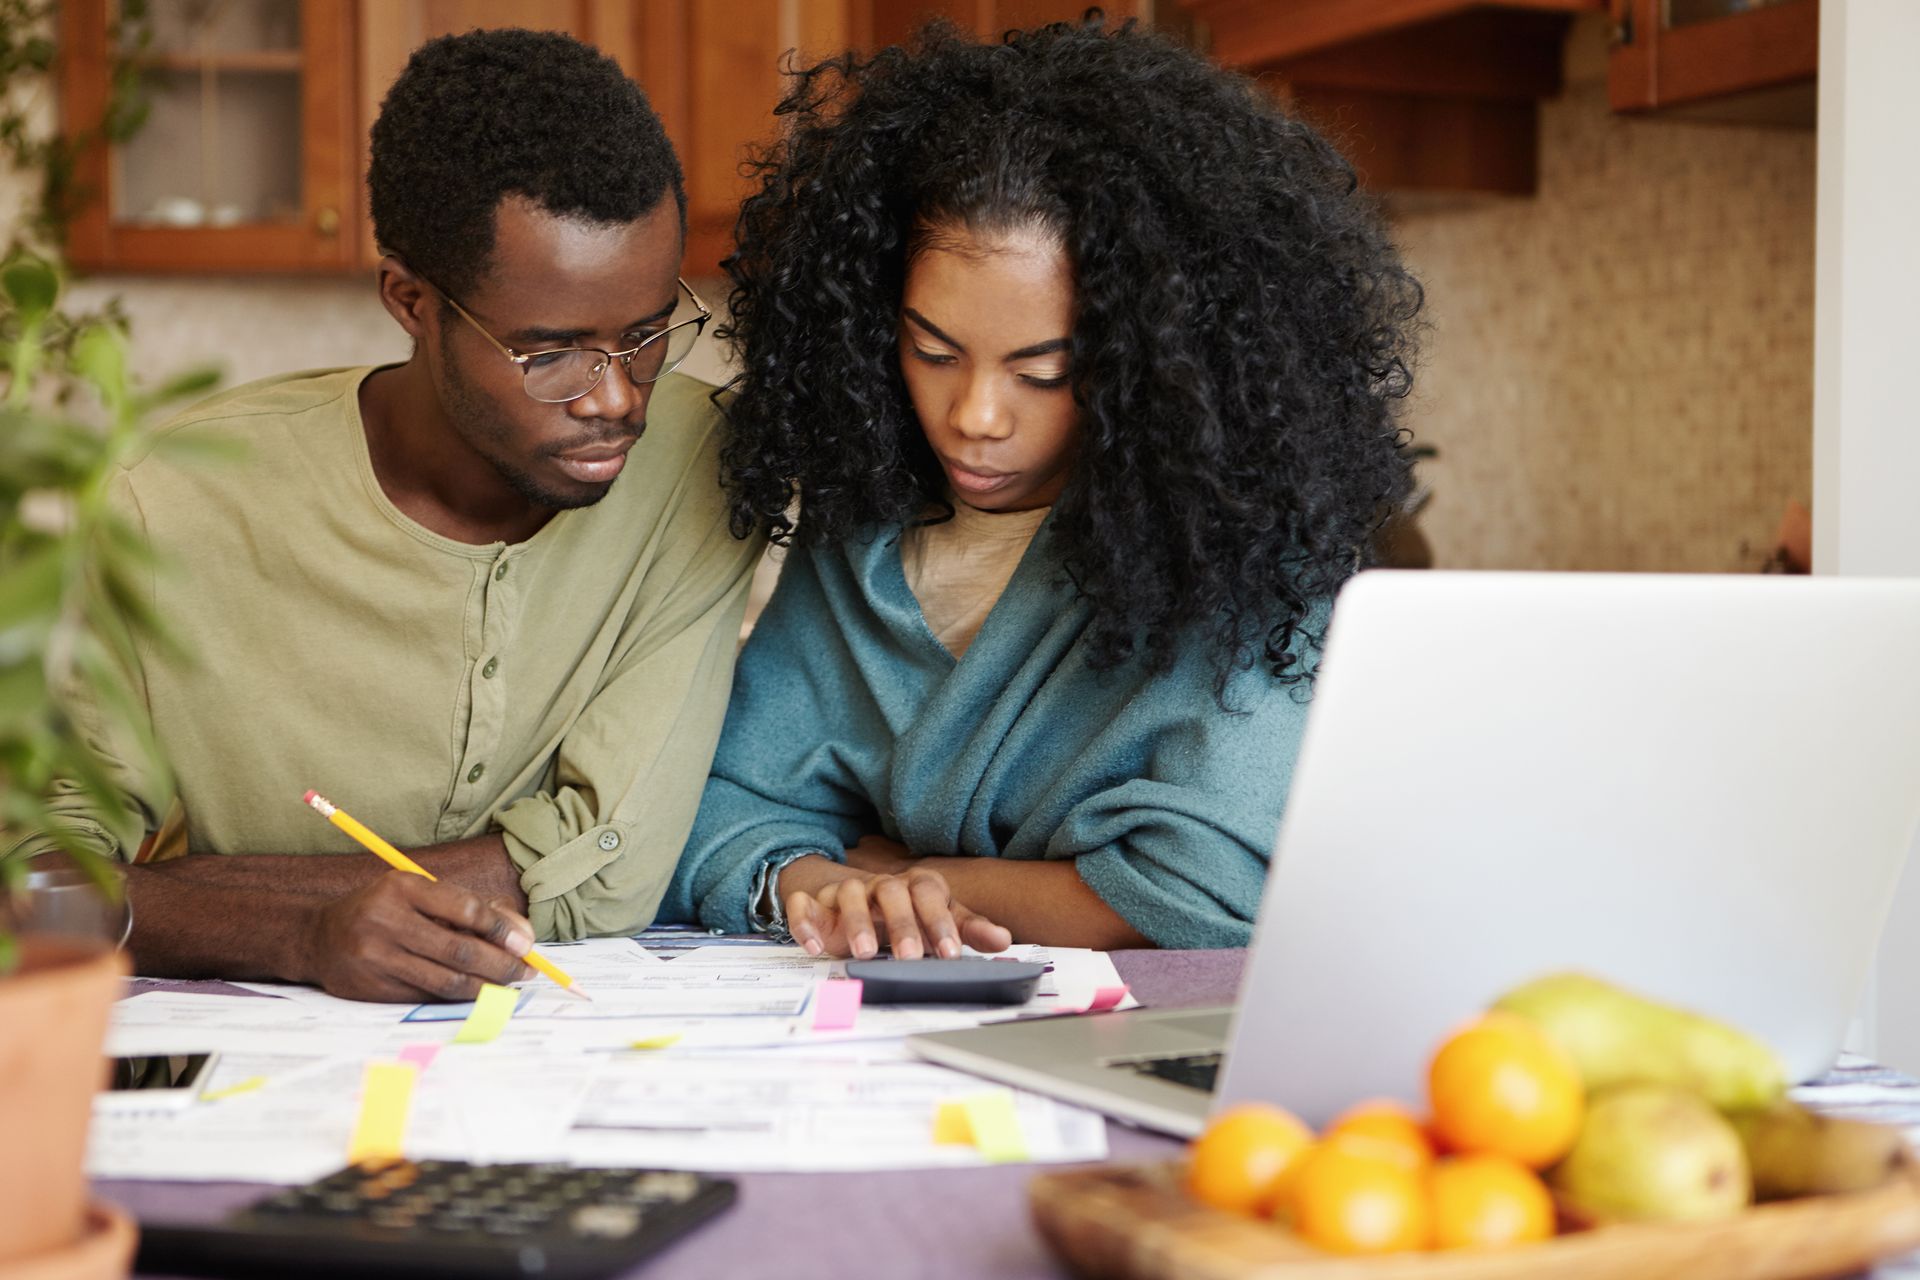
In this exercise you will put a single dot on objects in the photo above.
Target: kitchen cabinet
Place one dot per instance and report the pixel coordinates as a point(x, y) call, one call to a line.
point(253, 158)
point(1421, 95)
point(1737, 59)
point(246, 160)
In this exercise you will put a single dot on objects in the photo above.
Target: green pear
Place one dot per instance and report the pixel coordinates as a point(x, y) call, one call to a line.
point(1618, 1038)
point(1794, 1152)
point(1653, 1153)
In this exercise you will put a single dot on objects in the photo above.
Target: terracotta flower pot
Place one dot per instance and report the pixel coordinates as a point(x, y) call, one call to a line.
point(104, 1251)
point(53, 1019)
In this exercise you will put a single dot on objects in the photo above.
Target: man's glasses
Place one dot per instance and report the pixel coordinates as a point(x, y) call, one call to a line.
point(555, 377)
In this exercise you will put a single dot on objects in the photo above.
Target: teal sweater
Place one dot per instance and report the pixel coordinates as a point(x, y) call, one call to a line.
point(848, 718)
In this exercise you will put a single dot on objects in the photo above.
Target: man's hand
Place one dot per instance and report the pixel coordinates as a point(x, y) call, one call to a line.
point(846, 912)
point(405, 938)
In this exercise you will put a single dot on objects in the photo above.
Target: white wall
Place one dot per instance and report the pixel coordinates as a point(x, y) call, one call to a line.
point(1866, 433)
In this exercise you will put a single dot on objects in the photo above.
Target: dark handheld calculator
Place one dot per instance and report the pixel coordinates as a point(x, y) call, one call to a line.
point(445, 1218)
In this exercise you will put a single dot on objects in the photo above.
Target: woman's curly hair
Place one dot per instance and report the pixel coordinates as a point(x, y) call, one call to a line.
point(1241, 338)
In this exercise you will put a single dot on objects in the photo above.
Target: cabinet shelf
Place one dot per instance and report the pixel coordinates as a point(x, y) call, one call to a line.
point(239, 61)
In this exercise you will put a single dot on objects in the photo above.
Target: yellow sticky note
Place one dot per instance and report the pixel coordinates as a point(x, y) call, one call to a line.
point(489, 1016)
point(996, 1128)
point(656, 1042)
point(386, 1095)
point(984, 1121)
point(235, 1090)
point(950, 1127)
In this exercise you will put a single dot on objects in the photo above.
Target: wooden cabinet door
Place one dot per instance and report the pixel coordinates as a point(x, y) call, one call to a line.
point(177, 198)
point(390, 30)
point(711, 70)
point(1657, 62)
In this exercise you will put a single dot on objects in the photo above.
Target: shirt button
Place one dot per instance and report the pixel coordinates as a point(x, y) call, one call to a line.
point(501, 572)
point(609, 840)
point(473, 774)
point(493, 665)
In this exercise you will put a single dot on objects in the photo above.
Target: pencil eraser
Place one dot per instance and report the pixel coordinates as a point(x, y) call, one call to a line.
point(308, 798)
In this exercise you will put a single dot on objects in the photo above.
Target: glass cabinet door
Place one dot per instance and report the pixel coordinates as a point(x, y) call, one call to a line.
point(245, 161)
point(1684, 13)
point(1747, 60)
point(222, 144)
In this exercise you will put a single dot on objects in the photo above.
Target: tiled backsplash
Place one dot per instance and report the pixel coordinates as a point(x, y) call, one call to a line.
point(1619, 373)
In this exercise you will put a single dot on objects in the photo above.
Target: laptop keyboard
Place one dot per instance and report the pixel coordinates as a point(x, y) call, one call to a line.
point(1194, 1070)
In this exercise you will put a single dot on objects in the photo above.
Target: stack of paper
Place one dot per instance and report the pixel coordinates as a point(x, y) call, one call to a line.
point(696, 1053)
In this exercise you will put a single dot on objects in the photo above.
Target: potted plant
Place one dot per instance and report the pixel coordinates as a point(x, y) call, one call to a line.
point(69, 610)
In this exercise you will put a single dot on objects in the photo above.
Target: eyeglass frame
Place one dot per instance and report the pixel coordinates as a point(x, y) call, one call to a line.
point(523, 359)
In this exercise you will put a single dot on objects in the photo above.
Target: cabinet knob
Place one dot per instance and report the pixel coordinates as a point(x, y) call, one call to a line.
point(327, 221)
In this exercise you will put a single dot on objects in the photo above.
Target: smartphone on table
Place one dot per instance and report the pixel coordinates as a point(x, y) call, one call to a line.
point(155, 1082)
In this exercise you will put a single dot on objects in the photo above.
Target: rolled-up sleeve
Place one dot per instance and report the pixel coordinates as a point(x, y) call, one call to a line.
point(596, 849)
point(787, 777)
point(1182, 852)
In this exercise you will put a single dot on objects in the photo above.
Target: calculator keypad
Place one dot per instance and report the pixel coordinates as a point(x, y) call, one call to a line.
point(503, 1200)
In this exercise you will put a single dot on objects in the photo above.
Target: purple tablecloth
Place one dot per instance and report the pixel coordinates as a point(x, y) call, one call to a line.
point(787, 1226)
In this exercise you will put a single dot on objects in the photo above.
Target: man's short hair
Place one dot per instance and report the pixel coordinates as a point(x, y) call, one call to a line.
point(488, 114)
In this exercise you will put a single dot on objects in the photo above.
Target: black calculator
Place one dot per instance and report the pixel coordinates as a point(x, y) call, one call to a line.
point(446, 1218)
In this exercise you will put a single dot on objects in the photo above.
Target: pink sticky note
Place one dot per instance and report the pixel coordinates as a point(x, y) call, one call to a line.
point(1106, 998)
point(420, 1055)
point(836, 1004)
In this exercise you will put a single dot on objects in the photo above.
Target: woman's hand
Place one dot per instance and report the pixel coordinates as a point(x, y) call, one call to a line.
point(878, 855)
point(843, 911)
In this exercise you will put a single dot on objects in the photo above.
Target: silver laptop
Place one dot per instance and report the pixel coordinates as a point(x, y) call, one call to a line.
point(1702, 788)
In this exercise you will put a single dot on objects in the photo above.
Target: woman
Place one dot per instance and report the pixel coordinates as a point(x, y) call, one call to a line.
point(1082, 360)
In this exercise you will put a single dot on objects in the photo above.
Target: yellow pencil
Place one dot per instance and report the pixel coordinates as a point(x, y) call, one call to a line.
point(401, 862)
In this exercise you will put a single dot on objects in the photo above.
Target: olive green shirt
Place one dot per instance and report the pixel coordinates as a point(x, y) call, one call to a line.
point(566, 691)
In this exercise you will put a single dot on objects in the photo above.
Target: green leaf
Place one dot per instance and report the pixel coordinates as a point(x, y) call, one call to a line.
point(30, 587)
point(23, 692)
point(100, 356)
point(31, 285)
point(127, 543)
point(194, 382)
point(80, 769)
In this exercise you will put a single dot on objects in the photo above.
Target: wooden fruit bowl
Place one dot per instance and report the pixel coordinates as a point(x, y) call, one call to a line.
point(1135, 1223)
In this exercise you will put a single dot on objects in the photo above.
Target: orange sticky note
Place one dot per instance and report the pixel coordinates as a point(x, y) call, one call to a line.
point(386, 1097)
point(950, 1127)
point(986, 1122)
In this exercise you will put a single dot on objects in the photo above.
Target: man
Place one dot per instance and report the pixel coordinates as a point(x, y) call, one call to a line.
point(486, 600)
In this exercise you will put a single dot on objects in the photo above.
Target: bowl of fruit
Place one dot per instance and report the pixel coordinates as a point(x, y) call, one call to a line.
point(1573, 1129)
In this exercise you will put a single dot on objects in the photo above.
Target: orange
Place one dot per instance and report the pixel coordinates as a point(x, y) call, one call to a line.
point(1389, 1123)
point(1500, 1086)
point(1488, 1202)
point(1353, 1195)
point(1242, 1161)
